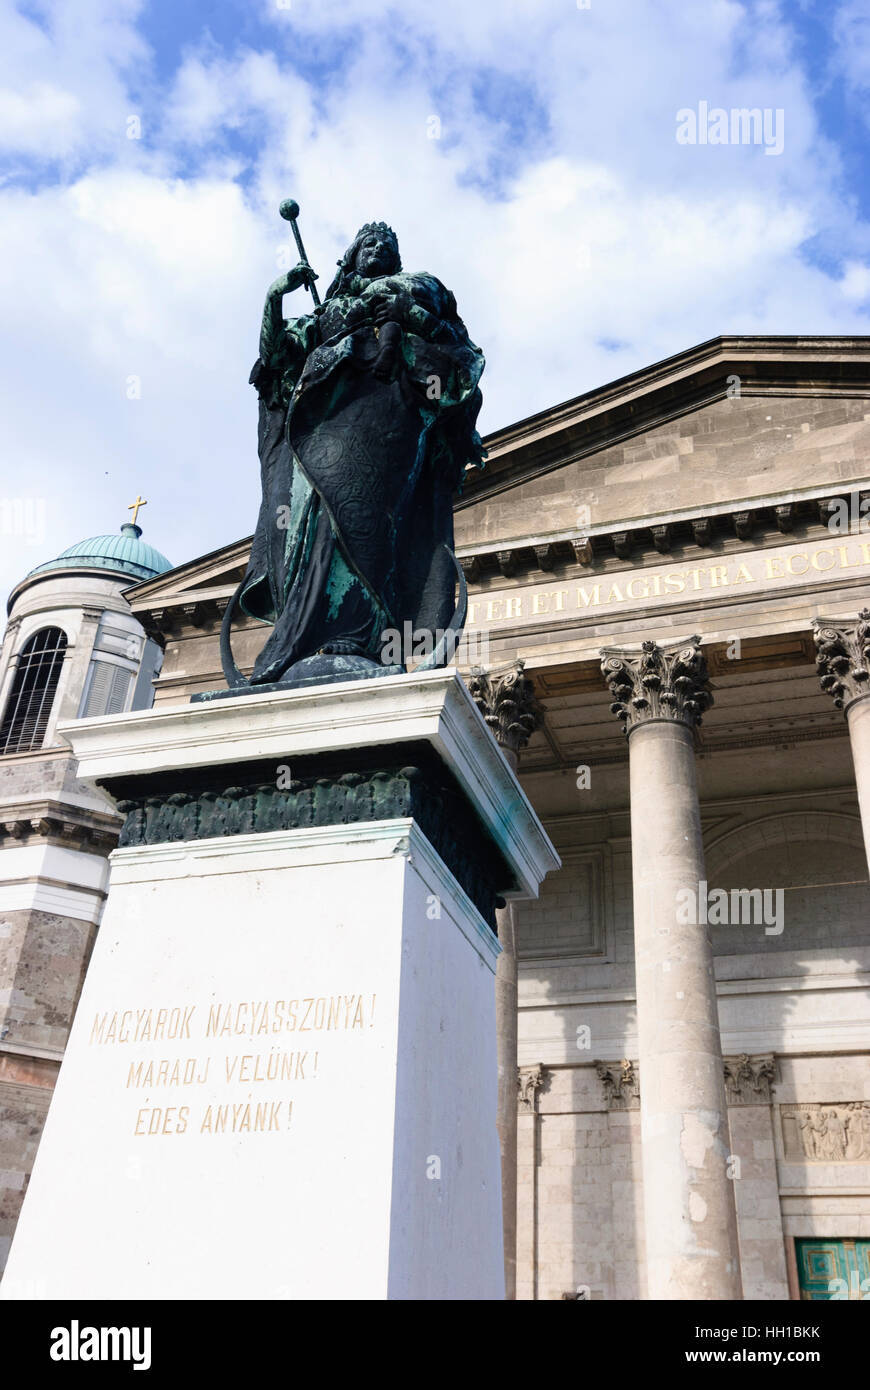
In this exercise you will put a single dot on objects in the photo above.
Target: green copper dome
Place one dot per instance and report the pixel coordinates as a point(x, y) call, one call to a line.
point(125, 553)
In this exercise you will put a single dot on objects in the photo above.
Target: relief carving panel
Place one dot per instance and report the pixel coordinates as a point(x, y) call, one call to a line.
point(822, 1133)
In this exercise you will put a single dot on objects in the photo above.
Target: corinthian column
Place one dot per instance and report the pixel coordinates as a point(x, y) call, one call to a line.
point(507, 703)
point(843, 662)
point(660, 694)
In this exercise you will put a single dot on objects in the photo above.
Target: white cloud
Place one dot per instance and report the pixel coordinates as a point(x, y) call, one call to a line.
point(63, 88)
point(855, 284)
point(40, 117)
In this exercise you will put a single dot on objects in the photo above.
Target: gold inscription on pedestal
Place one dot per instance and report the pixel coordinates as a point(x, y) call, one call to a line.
point(272, 1065)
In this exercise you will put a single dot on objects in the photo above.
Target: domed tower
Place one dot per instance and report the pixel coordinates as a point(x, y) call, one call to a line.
point(72, 648)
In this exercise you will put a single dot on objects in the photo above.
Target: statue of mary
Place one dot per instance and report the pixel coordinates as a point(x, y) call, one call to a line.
point(367, 423)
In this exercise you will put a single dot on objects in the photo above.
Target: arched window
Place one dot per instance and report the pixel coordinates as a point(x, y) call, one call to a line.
point(28, 708)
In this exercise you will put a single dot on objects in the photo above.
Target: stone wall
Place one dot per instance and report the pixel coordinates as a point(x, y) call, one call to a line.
point(734, 449)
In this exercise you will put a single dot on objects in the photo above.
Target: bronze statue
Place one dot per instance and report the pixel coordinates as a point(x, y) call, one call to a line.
point(367, 421)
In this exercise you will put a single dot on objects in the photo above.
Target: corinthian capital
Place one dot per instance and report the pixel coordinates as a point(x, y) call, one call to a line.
point(507, 703)
point(843, 657)
point(657, 682)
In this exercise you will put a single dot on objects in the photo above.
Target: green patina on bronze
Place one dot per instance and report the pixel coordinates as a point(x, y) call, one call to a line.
point(367, 423)
point(248, 799)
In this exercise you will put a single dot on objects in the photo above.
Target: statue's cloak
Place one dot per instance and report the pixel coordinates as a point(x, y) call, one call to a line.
point(359, 469)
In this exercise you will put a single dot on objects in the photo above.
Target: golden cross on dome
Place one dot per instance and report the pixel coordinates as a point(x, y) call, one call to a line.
point(134, 507)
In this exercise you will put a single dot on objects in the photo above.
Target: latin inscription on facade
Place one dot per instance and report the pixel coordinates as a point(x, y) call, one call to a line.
point(784, 567)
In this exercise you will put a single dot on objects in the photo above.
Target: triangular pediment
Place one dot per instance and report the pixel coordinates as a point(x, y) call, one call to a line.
point(206, 578)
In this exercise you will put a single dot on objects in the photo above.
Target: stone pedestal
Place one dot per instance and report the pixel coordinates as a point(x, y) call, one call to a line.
point(689, 1208)
point(281, 1078)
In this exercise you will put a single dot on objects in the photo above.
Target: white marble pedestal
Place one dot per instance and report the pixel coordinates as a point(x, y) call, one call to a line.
point(281, 1078)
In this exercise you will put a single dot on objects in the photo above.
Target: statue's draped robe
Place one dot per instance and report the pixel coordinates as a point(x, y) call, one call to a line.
point(358, 473)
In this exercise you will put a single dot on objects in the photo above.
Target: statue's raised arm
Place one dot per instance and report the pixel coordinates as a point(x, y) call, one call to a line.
point(368, 407)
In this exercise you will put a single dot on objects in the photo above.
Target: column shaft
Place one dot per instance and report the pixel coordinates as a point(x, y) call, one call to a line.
point(507, 703)
point(691, 1229)
point(660, 694)
point(858, 720)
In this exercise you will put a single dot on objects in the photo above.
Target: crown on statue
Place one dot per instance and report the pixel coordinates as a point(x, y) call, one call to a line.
point(383, 229)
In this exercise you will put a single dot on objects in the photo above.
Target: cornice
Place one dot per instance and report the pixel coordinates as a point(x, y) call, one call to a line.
point(720, 531)
point(27, 826)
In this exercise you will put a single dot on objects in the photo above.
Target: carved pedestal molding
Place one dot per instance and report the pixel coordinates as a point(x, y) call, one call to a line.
point(507, 702)
point(843, 664)
point(660, 694)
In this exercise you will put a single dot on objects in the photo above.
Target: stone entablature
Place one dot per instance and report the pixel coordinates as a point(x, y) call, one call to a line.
point(602, 548)
point(594, 557)
point(50, 825)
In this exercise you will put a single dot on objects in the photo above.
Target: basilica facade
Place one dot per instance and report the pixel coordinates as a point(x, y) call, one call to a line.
point(680, 561)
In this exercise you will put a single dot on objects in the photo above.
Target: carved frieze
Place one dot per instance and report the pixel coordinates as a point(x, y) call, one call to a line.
point(620, 1082)
point(823, 1133)
point(843, 657)
point(749, 1080)
point(657, 682)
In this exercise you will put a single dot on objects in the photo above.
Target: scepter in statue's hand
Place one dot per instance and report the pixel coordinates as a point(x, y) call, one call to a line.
point(289, 210)
point(301, 274)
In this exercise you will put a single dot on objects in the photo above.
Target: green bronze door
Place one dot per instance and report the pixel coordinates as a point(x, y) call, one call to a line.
point(833, 1269)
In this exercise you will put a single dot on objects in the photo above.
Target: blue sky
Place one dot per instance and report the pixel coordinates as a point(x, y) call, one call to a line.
point(524, 150)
